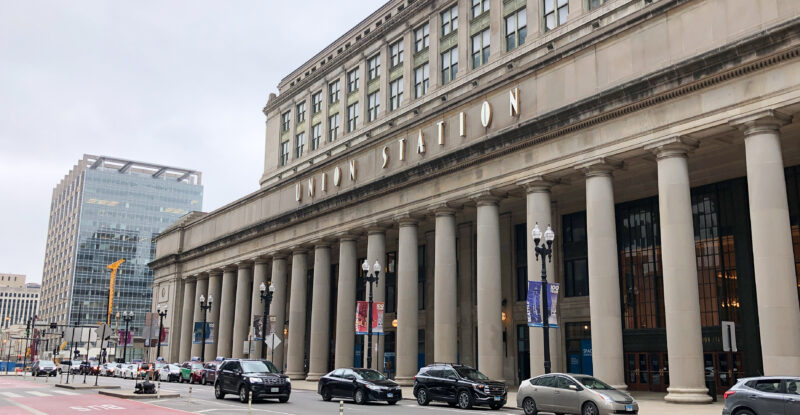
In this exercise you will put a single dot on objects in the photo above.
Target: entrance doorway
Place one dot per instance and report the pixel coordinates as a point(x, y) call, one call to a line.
point(647, 371)
point(725, 375)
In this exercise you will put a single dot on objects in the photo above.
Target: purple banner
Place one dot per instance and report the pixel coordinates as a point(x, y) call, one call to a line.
point(534, 304)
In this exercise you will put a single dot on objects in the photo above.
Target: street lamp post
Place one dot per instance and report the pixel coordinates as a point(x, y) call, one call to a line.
point(161, 315)
point(73, 344)
point(205, 307)
point(266, 298)
point(544, 251)
point(127, 317)
point(370, 279)
point(27, 345)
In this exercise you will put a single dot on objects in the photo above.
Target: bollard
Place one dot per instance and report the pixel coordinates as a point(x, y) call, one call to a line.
point(250, 402)
point(61, 377)
point(158, 394)
point(190, 394)
point(341, 407)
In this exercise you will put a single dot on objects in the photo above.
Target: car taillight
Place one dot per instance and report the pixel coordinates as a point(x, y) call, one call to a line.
point(728, 393)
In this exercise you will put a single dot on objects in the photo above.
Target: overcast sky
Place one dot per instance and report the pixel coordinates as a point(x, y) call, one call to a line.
point(180, 83)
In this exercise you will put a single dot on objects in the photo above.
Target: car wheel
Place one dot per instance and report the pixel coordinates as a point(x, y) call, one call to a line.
point(283, 399)
point(391, 402)
point(496, 406)
point(359, 397)
point(326, 395)
point(204, 381)
point(218, 393)
point(243, 394)
point(744, 412)
point(589, 408)
point(465, 400)
point(422, 397)
point(529, 406)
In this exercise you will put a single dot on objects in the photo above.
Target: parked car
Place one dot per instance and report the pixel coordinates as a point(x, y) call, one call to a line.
point(763, 395)
point(169, 373)
point(129, 371)
point(243, 377)
point(573, 394)
point(210, 373)
point(458, 385)
point(44, 367)
point(196, 371)
point(94, 367)
point(144, 371)
point(360, 385)
point(71, 366)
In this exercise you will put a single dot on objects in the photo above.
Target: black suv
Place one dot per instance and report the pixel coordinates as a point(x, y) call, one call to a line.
point(241, 376)
point(457, 385)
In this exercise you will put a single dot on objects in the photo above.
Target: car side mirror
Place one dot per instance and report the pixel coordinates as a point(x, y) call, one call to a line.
point(573, 387)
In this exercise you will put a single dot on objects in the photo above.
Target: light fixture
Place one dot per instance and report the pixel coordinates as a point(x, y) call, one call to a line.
point(377, 267)
point(285, 332)
point(394, 323)
point(549, 235)
point(586, 327)
point(202, 299)
point(262, 287)
point(210, 299)
point(271, 288)
point(365, 266)
point(536, 234)
point(503, 316)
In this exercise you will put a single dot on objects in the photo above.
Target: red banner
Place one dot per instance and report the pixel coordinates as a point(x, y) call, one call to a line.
point(362, 308)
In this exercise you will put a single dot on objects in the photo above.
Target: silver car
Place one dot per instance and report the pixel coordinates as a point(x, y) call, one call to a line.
point(573, 394)
point(766, 395)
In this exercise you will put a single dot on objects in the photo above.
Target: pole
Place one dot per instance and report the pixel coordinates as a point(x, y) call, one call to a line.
point(125, 346)
point(369, 326)
point(100, 354)
point(160, 329)
point(264, 326)
point(77, 323)
point(545, 317)
point(88, 339)
point(203, 340)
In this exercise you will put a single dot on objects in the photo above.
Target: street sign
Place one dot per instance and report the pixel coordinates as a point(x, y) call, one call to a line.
point(273, 341)
point(728, 336)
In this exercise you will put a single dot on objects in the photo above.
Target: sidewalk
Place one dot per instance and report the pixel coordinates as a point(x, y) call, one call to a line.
point(650, 403)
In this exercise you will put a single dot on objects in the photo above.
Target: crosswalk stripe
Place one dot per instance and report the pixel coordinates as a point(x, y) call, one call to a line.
point(10, 395)
point(64, 392)
point(42, 394)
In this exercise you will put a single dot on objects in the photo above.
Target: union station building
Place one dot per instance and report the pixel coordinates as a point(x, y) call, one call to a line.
point(658, 138)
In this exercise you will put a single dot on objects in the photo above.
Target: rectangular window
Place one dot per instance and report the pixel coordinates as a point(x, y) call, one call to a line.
point(521, 260)
point(333, 92)
point(421, 77)
point(316, 100)
point(449, 65)
point(479, 7)
point(316, 135)
point(301, 112)
point(352, 117)
point(284, 153)
point(374, 67)
point(422, 37)
point(593, 4)
point(395, 94)
point(555, 13)
point(352, 81)
point(420, 277)
point(396, 52)
point(480, 48)
point(333, 127)
point(373, 105)
point(449, 20)
point(286, 119)
point(299, 145)
point(576, 268)
point(516, 29)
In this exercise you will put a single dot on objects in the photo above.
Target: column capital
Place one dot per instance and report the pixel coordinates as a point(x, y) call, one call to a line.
point(486, 197)
point(243, 264)
point(299, 250)
point(230, 267)
point(376, 228)
point(215, 272)
point(280, 255)
point(322, 243)
point(538, 184)
point(261, 260)
point(203, 276)
point(442, 209)
point(407, 219)
point(762, 121)
point(675, 146)
point(600, 166)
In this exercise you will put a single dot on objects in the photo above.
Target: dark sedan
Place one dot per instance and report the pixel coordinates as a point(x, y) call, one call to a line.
point(44, 367)
point(209, 373)
point(360, 385)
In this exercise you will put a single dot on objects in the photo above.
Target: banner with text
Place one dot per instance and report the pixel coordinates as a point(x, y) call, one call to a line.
point(362, 308)
point(258, 322)
point(198, 333)
point(534, 305)
point(125, 337)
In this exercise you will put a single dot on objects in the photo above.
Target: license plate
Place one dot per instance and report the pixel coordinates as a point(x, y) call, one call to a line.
point(389, 395)
point(497, 398)
point(274, 390)
point(629, 407)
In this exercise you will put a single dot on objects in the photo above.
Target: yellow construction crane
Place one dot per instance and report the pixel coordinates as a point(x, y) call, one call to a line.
point(113, 267)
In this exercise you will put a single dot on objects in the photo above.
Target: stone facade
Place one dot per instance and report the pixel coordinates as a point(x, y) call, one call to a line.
point(621, 102)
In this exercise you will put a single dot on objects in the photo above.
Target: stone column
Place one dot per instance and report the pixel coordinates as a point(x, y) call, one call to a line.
point(189, 287)
point(214, 292)
point(465, 252)
point(376, 251)
point(445, 324)
point(490, 324)
point(260, 270)
point(297, 317)
point(241, 315)
point(320, 313)
point(201, 289)
point(407, 302)
point(278, 308)
point(604, 297)
point(227, 305)
point(679, 266)
point(538, 210)
point(346, 302)
point(773, 258)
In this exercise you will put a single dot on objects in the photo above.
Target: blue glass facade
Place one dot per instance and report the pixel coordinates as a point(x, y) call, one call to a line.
point(120, 215)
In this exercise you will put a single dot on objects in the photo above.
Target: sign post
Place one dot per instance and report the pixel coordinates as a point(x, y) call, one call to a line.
point(729, 345)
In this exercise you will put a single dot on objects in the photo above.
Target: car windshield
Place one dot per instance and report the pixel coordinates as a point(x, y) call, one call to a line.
point(368, 374)
point(592, 383)
point(197, 365)
point(471, 374)
point(255, 366)
point(46, 363)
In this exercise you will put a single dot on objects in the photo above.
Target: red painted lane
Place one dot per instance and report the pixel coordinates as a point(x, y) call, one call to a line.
point(11, 383)
point(91, 403)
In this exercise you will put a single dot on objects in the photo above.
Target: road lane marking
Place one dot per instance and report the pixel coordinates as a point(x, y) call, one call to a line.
point(41, 394)
point(64, 392)
point(10, 395)
point(27, 408)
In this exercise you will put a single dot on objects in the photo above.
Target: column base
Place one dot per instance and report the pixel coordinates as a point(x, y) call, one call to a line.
point(313, 377)
point(687, 395)
point(404, 381)
point(296, 375)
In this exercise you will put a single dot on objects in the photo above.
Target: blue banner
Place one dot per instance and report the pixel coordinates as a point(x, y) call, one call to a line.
point(535, 304)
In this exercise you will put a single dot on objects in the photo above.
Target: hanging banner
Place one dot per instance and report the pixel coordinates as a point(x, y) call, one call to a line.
point(198, 333)
point(125, 337)
point(534, 304)
point(164, 336)
point(258, 321)
point(362, 308)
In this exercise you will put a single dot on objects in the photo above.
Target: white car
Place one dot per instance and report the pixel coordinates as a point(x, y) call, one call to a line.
point(71, 366)
point(108, 369)
point(128, 371)
point(169, 373)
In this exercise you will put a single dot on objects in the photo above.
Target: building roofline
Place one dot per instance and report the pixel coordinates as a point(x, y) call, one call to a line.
point(124, 165)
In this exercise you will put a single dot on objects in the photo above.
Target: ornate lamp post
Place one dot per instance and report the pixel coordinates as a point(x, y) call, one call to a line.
point(544, 251)
point(205, 307)
point(127, 317)
point(266, 298)
point(161, 315)
point(370, 279)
